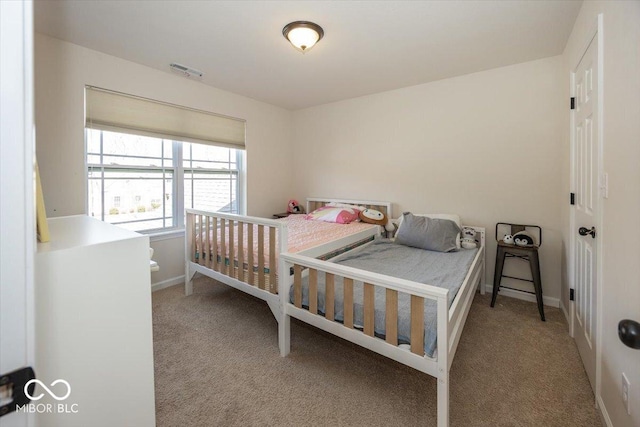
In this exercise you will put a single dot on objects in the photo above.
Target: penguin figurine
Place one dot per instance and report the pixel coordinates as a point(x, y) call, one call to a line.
point(523, 239)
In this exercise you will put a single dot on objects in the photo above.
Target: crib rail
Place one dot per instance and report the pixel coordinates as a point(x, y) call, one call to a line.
point(239, 247)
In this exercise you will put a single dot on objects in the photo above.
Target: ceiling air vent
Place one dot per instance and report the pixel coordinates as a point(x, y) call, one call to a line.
point(189, 72)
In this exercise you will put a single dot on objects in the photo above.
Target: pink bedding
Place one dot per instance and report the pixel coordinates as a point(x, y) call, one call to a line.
point(305, 234)
point(302, 234)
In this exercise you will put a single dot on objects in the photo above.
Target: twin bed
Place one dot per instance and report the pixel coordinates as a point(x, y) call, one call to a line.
point(405, 303)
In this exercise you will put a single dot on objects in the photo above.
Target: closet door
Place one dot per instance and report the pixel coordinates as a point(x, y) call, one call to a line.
point(587, 208)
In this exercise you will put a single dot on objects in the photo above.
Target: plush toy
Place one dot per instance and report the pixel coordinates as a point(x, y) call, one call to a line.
point(294, 207)
point(373, 216)
point(468, 238)
point(508, 239)
point(523, 239)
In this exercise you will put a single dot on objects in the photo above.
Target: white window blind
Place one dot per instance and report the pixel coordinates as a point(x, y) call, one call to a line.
point(107, 110)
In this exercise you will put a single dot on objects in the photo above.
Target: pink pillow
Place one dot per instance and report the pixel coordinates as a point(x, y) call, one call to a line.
point(335, 214)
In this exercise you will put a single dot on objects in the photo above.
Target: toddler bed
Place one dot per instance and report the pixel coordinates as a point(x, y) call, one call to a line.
point(242, 251)
point(231, 244)
point(406, 303)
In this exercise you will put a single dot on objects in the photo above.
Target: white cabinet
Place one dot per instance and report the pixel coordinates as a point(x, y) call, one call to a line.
point(93, 325)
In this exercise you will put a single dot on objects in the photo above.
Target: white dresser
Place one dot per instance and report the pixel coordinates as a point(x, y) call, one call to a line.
point(93, 325)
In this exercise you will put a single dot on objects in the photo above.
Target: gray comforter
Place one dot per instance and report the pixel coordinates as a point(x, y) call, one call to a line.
point(445, 270)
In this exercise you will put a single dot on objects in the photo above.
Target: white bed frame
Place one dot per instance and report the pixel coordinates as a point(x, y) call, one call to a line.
point(451, 320)
point(204, 222)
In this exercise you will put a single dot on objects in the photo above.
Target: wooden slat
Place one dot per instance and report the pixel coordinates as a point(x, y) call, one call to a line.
point(273, 285)
point(417, 325)
point(348, 302)
point(223, 246)
point(313, 291)
point(369, 308)
point(329, 296)
point(214, 241)
point(232, 253)
point(391, 317)
point(200, 240)
point(261, 277)
point(241, 251)
point(297, 286)
point(207, 238)
point(250, 254)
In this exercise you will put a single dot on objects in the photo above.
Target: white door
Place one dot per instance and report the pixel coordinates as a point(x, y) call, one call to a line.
point(586, 170)
point(17, 222)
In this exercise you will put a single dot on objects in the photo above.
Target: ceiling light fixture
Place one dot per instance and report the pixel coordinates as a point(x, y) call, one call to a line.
point(303, 35)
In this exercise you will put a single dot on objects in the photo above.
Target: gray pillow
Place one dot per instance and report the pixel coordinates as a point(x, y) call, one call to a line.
point(432, 234)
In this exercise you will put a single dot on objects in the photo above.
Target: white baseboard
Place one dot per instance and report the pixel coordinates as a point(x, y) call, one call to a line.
point(566, 313)
point(512, 293)
point(167, 283)
point(604, 415)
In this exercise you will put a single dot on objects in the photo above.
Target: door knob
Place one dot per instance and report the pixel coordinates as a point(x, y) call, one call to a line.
point(629, 333)
point(584, 231)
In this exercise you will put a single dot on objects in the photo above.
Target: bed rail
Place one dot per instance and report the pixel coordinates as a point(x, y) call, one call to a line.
point(314, 203)
point(450, 320)
point(225, 244)
point(418, 292)
point(438, 367)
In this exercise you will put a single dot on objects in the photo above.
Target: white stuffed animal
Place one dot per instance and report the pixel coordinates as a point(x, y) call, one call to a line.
point(508, 239)
point(468, 238)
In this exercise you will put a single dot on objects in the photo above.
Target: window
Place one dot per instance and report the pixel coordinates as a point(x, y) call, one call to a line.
point(148, 160)
point(144, 183)
point(210, 177)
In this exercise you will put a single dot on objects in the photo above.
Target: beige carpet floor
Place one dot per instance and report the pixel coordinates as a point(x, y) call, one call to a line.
point(217, 364)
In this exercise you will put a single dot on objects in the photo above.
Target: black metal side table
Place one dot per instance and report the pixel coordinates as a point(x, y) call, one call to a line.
point(526, 253)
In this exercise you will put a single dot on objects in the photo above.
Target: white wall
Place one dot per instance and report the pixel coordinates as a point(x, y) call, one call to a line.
point(621, 127)
point(61, 72)
point(485, 145)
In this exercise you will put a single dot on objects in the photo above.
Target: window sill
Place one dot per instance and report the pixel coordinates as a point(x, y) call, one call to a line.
point(165, 235)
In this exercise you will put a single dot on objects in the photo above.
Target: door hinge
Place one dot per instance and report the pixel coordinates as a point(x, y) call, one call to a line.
point(573, 103)
point(12, 386)
point(572, 295)
point(572, 198)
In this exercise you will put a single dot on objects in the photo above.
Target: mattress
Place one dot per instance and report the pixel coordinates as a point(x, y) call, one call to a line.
point(303, 234)
point(445, 270)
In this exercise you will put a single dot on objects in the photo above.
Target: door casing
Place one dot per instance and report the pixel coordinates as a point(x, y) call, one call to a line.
point(17, 206)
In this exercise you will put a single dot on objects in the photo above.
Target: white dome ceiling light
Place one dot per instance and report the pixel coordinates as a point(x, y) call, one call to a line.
point(303, 35)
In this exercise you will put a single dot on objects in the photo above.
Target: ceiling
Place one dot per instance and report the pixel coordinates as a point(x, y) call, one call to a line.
point(368, 47)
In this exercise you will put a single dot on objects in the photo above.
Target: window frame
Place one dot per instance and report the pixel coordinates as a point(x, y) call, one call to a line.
point(197, 170)
point(178, 181)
